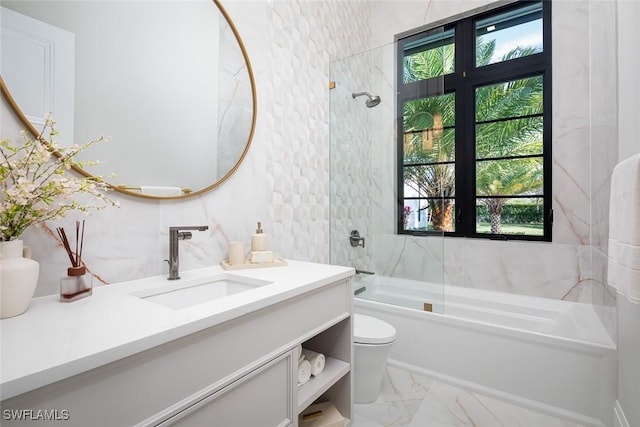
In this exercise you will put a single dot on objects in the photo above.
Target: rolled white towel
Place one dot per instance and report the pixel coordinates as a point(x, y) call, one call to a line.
point(304, 372)
point(299, 350)
point(315, 359)
point(151, 190)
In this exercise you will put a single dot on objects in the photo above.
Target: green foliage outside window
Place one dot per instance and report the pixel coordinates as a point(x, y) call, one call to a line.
point(509, 123)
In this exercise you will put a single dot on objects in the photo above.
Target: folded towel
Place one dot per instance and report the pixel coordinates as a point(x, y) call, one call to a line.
point(304, 372)
point(316, 360)
point(624, 229)
point(150, 190)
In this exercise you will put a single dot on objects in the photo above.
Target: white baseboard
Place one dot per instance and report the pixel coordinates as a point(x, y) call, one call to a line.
point(505, 397)
point(619, 419)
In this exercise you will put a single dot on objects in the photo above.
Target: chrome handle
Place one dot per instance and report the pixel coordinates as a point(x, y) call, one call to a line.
point(355, 239)
point(184, 235)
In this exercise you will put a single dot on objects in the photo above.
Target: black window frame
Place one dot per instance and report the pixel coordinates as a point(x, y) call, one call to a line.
point(464, 80)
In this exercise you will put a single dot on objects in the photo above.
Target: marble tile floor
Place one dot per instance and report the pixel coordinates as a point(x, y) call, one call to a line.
point(410, 400)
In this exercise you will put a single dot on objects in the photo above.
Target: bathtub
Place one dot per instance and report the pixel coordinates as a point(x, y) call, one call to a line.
point(548, 355)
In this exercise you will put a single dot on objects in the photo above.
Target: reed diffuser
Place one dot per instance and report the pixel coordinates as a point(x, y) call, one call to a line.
point(77, 284)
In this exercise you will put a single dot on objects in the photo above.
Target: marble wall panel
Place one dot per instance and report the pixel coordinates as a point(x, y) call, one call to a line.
point(604, 148)
point(409, 257)
point(562, 269)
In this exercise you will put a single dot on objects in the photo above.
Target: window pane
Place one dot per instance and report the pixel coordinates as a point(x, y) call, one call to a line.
point(429, 215)
point(431, 180)
point(477, 138)
point(430, 56)
point(429, 112)
point(513, 177)
point(510, 216)
point(431, 145)
point(411, 192)
point(516, 98)
point(509, 35)
point(414, 214)
point(516, 137)
point(429, 135)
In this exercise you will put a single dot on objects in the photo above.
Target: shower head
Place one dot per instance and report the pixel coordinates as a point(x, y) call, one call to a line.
point(371, 102)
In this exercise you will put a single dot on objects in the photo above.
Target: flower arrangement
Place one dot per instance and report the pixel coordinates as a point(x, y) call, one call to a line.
point(33, 184)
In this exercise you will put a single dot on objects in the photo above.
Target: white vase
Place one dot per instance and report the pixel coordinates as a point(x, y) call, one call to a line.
point(18, 278)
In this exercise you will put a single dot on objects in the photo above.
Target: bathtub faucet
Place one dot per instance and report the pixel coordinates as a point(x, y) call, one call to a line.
point(358, 271)
point(355, 239)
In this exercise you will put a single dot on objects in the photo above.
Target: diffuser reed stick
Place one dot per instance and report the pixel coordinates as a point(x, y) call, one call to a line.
point(75, 285)
point(74, 256)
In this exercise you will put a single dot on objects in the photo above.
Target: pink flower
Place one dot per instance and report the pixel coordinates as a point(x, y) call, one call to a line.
point(34, 187)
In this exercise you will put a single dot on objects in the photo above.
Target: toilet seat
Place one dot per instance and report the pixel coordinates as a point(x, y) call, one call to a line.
point(369, 330)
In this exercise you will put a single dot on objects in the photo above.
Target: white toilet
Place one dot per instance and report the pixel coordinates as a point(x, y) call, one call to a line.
point(372, 340)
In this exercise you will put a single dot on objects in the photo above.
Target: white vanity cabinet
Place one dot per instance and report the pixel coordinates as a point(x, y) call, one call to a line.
point(263, 397)
point(239, 373)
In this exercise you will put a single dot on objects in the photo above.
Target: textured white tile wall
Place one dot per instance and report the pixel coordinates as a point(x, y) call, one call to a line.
point(351, 178)
point(305, 36)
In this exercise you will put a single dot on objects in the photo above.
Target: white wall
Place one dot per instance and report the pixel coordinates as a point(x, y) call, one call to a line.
point(603, 135)
point(628, 63)
point(629, 144)
point(628, 366)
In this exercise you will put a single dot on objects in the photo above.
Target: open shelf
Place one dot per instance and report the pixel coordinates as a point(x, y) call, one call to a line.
point(334, 369)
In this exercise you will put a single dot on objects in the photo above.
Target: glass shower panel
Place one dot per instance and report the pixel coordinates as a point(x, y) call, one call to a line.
point(366, 162)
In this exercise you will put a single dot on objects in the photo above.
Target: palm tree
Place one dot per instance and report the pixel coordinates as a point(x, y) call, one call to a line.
point(426, 141)
point(494, 178)
point(521, 136)
point(494, 139)
point(435, 147)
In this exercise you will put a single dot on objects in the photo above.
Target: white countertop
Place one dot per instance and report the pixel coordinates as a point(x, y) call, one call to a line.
point(53, 340)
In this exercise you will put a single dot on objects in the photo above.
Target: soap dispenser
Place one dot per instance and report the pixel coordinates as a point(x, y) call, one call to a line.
point(259, 240)
point(259, 252)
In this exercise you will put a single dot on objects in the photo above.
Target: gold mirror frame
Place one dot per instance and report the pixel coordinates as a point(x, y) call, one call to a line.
point(23, 119)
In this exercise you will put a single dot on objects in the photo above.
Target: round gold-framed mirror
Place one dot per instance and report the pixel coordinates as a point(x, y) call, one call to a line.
point(170, 82)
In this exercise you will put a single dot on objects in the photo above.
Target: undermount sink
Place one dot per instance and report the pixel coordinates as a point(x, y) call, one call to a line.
point(183, 294)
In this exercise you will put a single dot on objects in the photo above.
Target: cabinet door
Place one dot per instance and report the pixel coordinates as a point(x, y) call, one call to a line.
point(263, 397)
